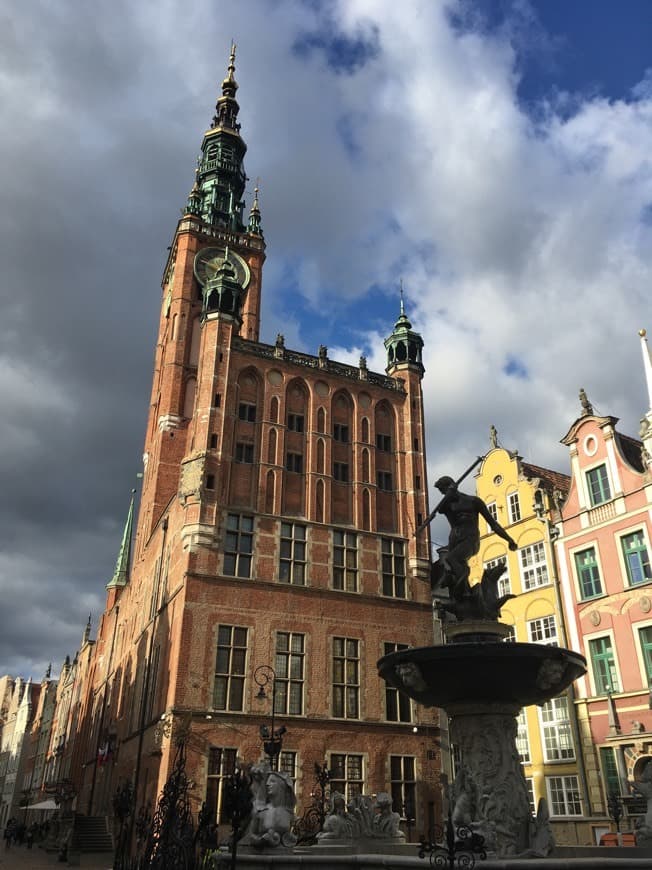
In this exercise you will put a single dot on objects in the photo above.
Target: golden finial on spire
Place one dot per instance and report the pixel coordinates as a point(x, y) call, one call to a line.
point(401, 292)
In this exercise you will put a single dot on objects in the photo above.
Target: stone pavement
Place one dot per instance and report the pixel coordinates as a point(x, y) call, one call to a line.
point(22, 858)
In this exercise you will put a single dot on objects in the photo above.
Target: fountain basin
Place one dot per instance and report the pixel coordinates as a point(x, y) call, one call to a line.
point(484, 673)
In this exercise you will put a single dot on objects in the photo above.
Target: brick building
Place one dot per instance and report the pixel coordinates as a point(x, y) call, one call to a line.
point(280, 498)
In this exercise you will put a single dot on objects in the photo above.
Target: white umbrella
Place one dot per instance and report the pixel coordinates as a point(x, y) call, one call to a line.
point(49, 804)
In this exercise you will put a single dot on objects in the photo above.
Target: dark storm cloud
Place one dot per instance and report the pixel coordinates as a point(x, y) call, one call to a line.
point(84, 226)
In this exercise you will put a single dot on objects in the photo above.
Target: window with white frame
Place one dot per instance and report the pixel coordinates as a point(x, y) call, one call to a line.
point(556, 728)
point(292, 564)
point(543, 630)
point(289, 666)
point(534, 568)
point(564, 796)
point(228, 688)
point(637, 558)
point(513, 507)
point(238, 545)
point(345, 561)
point(393, 564)
point(346, 678)
point(398, 707)
point(287, 763)
point(347, 774)
point(529, 784)
point(402, 771)
point(597, 481)
point(221, 764)
point(522, 739)
point(492, 507)
point(510, 637)
point(503, 582)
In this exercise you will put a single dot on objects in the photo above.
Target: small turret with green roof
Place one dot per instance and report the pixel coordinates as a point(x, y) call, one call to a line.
point(404, 345)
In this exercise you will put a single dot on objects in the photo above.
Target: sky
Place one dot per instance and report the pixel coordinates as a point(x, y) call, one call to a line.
point(494, 156)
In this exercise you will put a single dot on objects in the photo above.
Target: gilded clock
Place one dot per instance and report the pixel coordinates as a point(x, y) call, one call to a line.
point(208, 261)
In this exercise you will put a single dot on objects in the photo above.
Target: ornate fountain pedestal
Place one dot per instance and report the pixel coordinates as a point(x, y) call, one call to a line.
point(482, 683)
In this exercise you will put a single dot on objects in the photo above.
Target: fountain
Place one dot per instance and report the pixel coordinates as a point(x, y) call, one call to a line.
point(482, 683)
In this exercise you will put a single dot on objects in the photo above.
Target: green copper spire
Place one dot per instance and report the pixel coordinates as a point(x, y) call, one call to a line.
point(121, 572)
point(254, 226)
point(216, 197)
point(404, 345)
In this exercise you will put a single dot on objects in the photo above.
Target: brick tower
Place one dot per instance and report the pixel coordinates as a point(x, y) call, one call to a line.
point(280, 498)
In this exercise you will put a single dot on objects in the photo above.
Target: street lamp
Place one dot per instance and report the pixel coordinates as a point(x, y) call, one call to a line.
point(272, 737)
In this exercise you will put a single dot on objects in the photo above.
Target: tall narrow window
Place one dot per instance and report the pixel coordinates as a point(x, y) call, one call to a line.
point(341, 432)
point(637, 559)
point(604, 665)
point(588, 573)
point(346, 774)
point(393, 563)
point(397, 705)
point(289, 666)
point(228, 689)
point(645, 638)
point(238, 545)
point(221, 764)
point(522, 739)
point(492, 507)
point(341, 471)
point(403, 785)
point(610, 776)
point(345, 561)
point(292, 566)
point(534, 569)
point(514, 507)
point(597, 481)
point(287, 764)
point(557, 739)
point(346, 678)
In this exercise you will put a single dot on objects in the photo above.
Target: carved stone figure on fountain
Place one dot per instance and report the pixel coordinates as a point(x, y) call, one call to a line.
point(336, 824)
point(451, 570)
point(386, 822)
point(272, 814)
point(643, 786)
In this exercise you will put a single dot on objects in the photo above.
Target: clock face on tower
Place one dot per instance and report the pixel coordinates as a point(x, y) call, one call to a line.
point(208, 261)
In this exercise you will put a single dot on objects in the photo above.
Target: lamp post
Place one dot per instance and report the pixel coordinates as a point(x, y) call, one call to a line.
point(272, 737)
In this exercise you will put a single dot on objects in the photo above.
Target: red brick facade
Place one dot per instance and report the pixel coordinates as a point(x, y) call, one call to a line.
point(280, 498)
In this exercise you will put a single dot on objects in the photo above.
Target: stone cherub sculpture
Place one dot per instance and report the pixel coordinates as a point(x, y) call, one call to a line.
point(452, 569)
